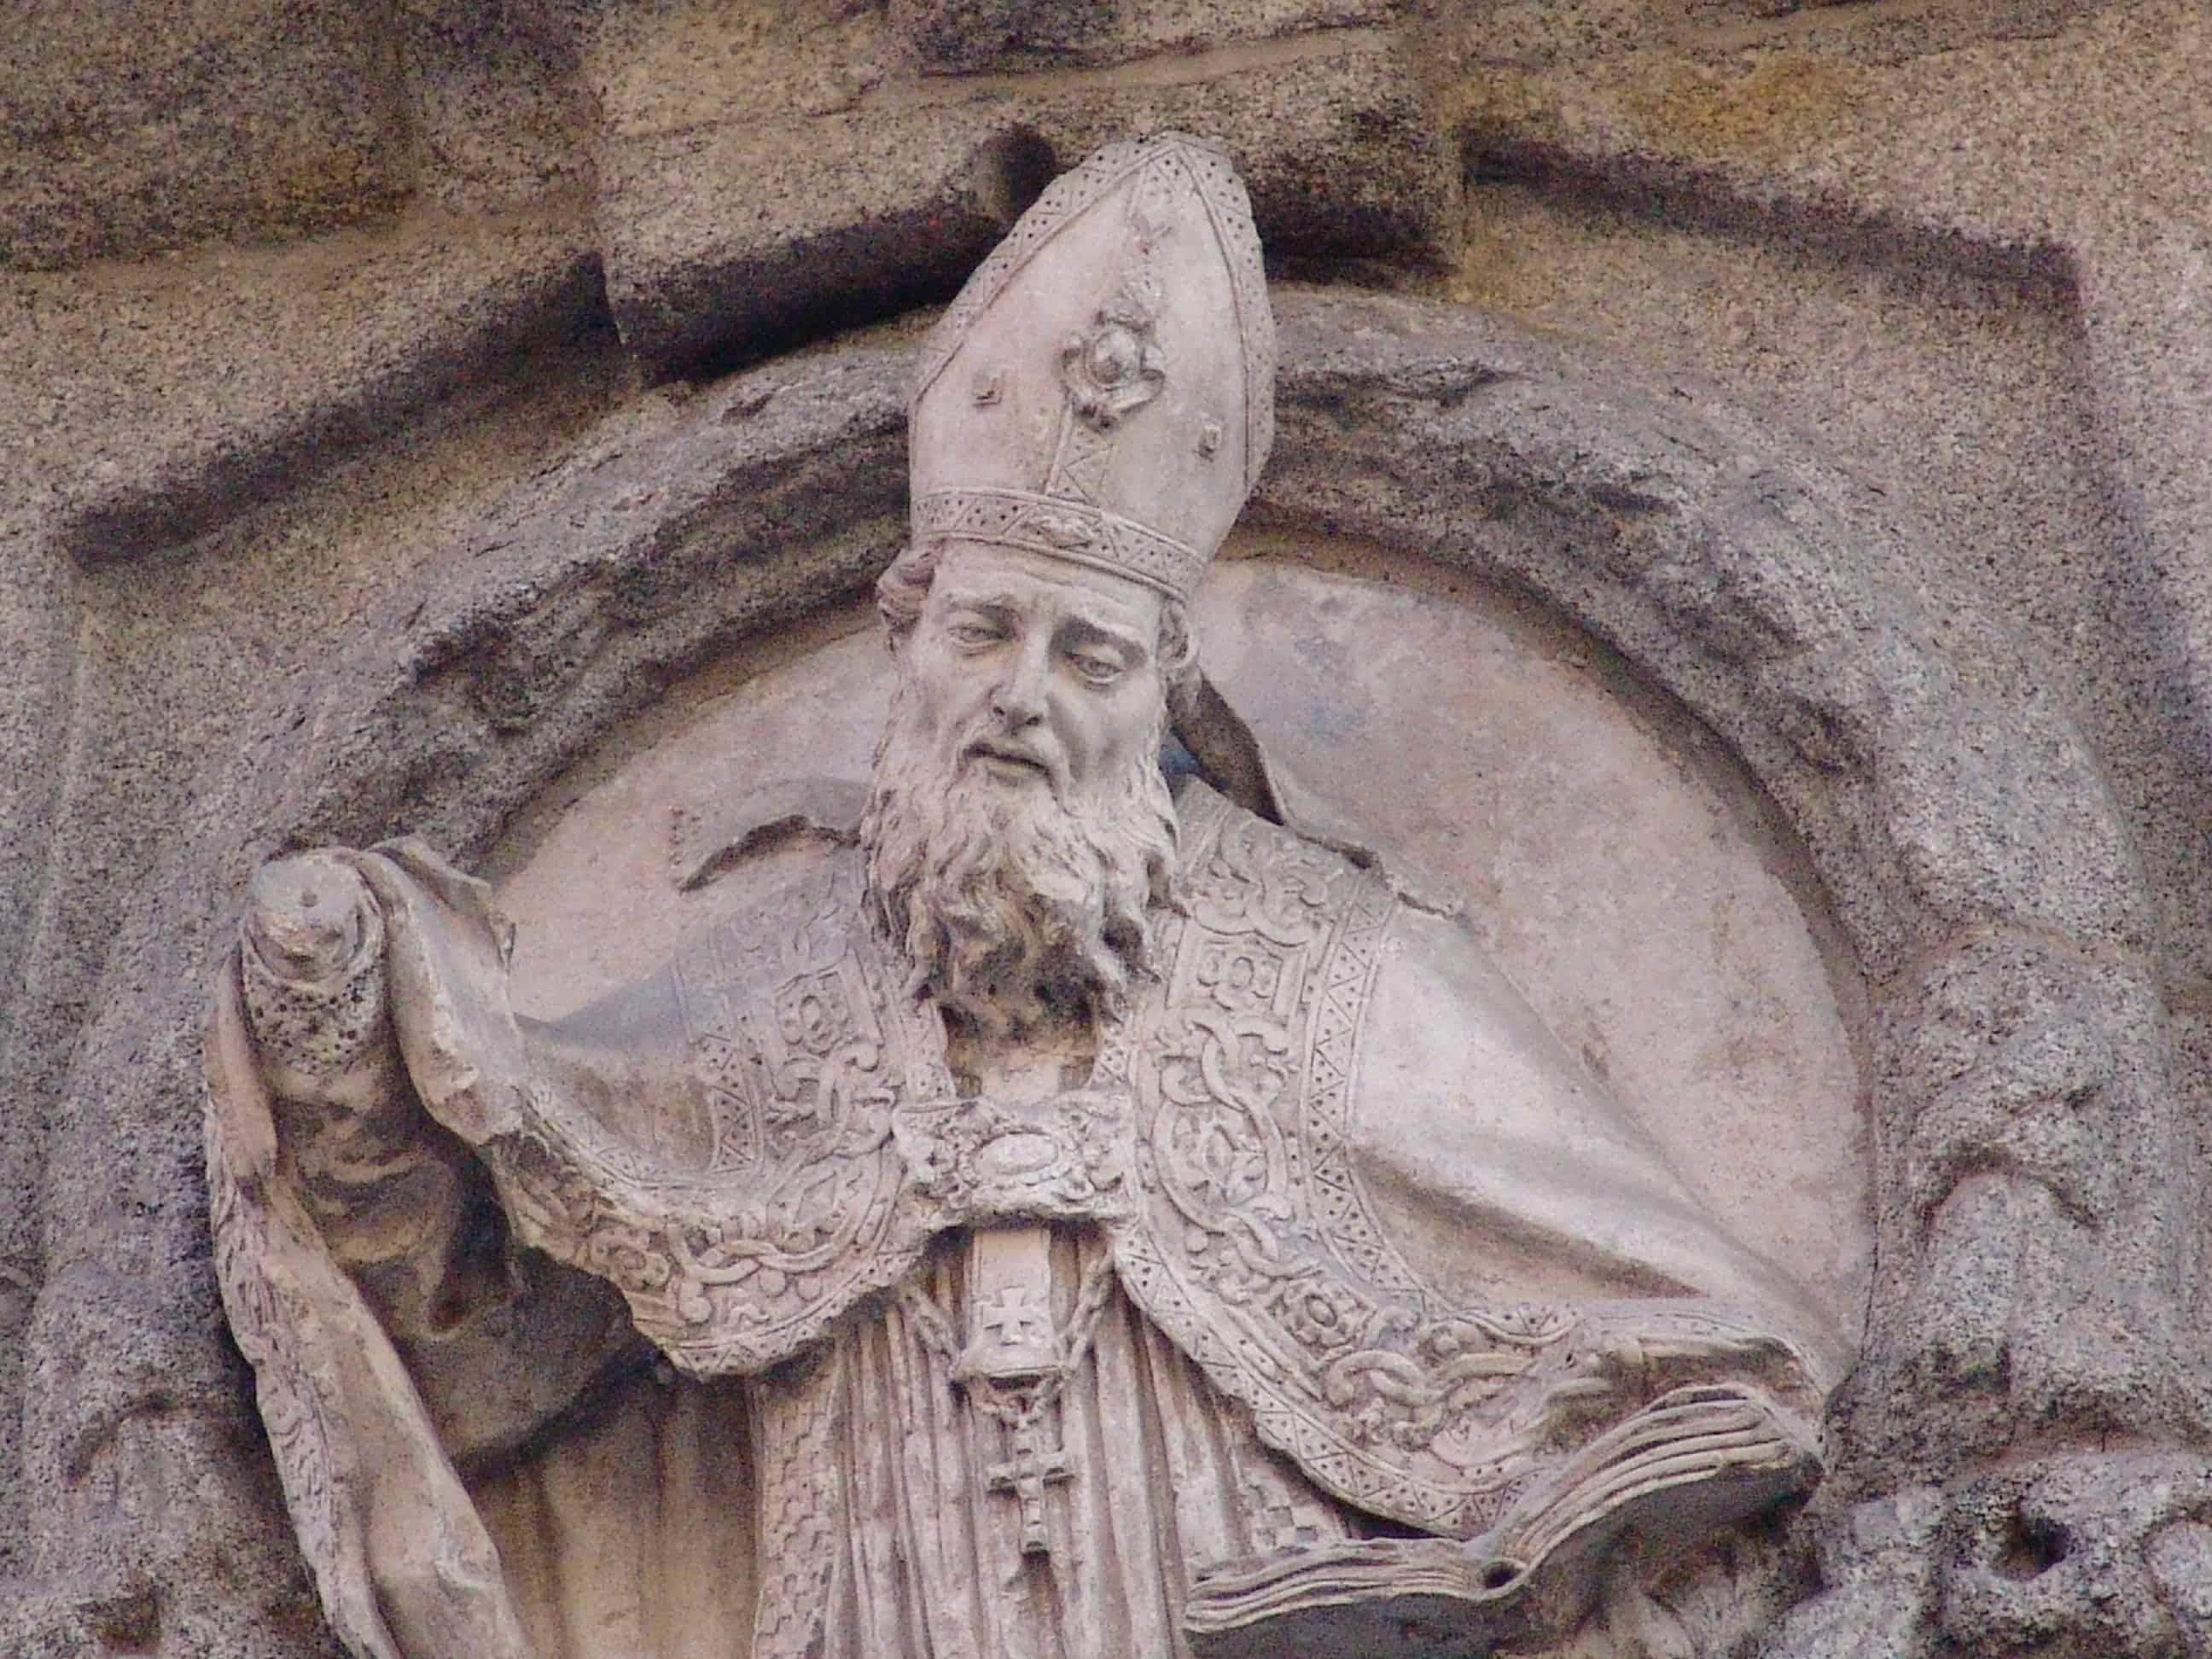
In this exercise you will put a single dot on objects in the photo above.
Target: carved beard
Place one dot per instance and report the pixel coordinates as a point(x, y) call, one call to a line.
point(1012, 906)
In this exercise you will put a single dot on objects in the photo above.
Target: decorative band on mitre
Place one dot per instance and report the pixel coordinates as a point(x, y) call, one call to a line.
point(1074, 531)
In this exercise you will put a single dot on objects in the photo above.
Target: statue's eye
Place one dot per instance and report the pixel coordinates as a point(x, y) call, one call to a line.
point(1097, 669)
point(973, 633)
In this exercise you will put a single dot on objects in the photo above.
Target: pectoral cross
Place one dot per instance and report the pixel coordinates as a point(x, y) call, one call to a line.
point(1029, 1465)
point(1015, 1335)
point(1014, 1362)
point(1014, 1365)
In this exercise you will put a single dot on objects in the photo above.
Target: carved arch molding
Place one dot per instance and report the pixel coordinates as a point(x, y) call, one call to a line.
point(2030, 1256)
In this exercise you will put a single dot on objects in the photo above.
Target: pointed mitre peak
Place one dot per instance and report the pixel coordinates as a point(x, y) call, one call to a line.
point(1101, 391)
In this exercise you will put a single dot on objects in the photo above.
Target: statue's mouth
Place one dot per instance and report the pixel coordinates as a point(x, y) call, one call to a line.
point(1004, 760)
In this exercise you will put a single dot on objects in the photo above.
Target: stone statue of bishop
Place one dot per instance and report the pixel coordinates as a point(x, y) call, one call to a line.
point(1092, 1217)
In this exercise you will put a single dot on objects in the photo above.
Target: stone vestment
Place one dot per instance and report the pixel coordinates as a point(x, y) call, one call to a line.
point(1355, 1223)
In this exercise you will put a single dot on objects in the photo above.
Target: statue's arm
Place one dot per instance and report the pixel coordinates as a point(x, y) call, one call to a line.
point(497, 1340)
point(391, 1195)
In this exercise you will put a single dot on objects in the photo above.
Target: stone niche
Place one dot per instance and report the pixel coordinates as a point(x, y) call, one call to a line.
point(1779, 830)
point(1618, 864)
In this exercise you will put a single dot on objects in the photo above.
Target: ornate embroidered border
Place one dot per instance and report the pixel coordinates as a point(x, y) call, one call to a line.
point(796, 1420)
point(1258, 1255)
point(1059, 528)
point(804, 1209)
point(1347, 1223)
point(300, 1397)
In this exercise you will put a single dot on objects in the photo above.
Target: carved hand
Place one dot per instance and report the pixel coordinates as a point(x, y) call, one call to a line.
point(310, 954)
point(1610, 1368)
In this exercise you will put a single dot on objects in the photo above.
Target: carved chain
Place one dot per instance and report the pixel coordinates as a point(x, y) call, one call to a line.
point(1019, 1408)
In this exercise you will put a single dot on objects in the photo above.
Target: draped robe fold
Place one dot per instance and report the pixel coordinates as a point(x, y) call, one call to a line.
point(1362, 1224)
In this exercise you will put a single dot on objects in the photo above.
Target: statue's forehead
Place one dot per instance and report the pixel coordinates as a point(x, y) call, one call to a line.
point(980, 573)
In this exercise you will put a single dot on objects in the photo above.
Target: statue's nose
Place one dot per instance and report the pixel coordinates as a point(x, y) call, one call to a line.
point(1020, 697)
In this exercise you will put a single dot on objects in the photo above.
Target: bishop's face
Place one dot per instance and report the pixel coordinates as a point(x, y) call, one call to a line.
point(1036, 674)
point(1018, 831)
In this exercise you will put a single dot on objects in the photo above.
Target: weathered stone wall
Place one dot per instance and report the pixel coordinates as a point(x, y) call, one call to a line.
point(1845, 368)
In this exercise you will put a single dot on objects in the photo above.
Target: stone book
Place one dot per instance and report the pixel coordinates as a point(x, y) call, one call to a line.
point(1719, 1452)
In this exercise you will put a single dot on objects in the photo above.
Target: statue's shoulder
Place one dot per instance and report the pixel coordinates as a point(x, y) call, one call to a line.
point(1427, 1071)
point(1418, 1005)
point(1224, 840)
point(768, 927)
point(787, 924)
point(1224, 847)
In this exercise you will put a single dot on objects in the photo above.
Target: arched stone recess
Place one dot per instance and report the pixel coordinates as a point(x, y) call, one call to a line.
point(2017, 1061)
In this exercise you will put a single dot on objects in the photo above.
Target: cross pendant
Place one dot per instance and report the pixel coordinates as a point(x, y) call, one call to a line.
point(1027, 1468)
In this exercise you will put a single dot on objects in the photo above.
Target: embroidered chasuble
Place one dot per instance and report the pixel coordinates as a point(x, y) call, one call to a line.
point(771, 1230)
point(1027, 1469)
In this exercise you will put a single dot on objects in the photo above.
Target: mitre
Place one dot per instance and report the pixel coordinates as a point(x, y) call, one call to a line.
point(1101, 391)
